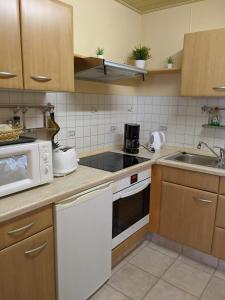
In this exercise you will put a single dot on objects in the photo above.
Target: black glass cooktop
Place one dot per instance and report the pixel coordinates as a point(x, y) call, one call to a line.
point(111, 161)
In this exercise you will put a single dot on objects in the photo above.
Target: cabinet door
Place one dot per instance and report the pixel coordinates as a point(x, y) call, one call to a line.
point(203, 72)
point(10, 49)
point(188, 215)
point(47, 38)
point(27, 269)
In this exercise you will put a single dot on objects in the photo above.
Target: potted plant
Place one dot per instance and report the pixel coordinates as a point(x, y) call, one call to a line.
point(100, 53)
point(140, 54)
point(170, 62)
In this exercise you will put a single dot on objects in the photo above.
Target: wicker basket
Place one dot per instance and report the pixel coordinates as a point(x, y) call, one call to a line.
point(10, 135)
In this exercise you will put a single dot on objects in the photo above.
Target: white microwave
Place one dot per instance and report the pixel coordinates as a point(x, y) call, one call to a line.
point(23, 166)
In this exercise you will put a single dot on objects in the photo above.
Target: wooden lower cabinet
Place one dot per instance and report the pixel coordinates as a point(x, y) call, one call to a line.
point(27, 269)
point(188, 216)
point(218, 248)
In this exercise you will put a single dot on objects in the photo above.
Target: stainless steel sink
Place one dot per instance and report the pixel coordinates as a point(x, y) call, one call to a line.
point(196, 159)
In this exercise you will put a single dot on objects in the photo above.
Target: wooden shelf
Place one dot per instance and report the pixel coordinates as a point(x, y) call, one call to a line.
point(164, 71)
point(212, 126)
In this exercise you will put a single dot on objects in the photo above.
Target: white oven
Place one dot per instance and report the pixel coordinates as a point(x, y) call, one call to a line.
point(131, 201)
point(23, 166)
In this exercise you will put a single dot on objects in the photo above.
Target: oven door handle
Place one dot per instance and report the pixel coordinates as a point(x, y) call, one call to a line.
point(133, 190)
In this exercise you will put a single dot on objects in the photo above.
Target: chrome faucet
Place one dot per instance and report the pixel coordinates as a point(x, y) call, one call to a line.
point(220, 157)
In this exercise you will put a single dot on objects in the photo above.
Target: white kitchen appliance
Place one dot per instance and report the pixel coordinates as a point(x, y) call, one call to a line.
point(83, 225)
point(131, 202)
point(23, 166)
point(64, 161)
point(157, 140)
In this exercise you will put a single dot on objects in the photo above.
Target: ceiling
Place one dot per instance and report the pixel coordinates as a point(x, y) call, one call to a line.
point(146, 6)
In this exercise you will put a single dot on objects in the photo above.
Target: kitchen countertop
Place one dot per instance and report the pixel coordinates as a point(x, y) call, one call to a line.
point(85, 178)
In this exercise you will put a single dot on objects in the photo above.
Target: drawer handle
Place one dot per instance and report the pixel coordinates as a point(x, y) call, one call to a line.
point(41, 78)
point(219, 88)
point(32, 251)
point(202, 200)
point(6, 75)
point(19, 230)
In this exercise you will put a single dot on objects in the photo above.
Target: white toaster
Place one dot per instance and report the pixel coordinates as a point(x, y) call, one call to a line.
point(64, 161)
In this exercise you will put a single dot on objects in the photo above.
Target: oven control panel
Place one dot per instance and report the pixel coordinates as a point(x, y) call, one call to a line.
point(130, 180)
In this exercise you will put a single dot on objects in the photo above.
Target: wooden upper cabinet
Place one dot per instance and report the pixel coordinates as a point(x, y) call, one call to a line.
point(47, 39)
point(10, 45)
point(203, 71)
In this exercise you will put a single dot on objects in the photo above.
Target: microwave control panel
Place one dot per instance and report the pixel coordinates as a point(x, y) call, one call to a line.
point(45, 153)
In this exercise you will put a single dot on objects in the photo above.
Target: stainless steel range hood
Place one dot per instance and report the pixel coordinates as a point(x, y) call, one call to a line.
point(95, 69)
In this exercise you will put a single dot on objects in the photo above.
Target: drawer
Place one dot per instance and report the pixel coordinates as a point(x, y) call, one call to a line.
point(196, 180)
point(24, 226)
point(220, 215)
point(218, 248)
point(222, 185)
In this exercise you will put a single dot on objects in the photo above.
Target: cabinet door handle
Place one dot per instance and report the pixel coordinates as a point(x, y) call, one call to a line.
point(202, 200)
point(20, 230)
point(219, 88)
point(32, 251)
point(7, 75)
point(41, 78)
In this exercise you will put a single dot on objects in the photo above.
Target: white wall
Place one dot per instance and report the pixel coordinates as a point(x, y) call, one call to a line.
point(105, 23)
point(164, 30)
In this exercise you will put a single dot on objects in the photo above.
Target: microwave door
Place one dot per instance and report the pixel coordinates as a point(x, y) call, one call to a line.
point(18, 169)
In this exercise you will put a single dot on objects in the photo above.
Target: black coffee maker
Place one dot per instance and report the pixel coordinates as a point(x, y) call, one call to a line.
point(131, 138)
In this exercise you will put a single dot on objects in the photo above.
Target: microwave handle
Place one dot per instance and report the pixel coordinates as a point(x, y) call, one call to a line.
point(132, 191)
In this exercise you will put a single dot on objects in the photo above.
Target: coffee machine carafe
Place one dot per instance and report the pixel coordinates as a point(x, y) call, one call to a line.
point(131, 138)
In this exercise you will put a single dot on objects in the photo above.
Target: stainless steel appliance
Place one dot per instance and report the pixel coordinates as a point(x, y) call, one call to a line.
point(131, 201)
point(95, 69)
point(131, 138)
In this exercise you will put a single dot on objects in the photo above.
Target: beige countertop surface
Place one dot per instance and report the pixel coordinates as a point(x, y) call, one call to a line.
point(85, 178)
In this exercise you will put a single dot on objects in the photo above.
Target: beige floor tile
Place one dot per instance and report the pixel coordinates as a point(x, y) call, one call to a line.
point(220, 274)
point(137, 250)
point(108, 293)
point(215, 290)
point(163, 250)
point(132, 282)
point(119, 266)
point(187, 278)
point(152, 261)
point(196, 264)
point(165, 291)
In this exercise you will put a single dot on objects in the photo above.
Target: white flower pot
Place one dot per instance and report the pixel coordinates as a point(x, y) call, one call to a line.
point(100, 56)
point(170, 66)
point(140, 64)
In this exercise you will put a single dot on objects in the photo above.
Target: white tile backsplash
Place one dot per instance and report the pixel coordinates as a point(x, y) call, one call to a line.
point(90, 121)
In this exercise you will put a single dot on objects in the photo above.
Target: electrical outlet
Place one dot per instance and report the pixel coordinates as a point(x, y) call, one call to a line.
point(71, 133)
point(163, 128)
point(113, 128)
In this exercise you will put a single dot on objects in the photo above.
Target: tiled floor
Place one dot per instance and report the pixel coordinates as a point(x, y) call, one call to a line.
point(152, 272)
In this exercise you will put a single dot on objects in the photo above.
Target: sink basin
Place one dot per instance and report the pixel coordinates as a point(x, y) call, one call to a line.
point(196, 159)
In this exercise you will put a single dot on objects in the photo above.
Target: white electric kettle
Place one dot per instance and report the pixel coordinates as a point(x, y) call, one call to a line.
point(157, 140)
point(64, 161)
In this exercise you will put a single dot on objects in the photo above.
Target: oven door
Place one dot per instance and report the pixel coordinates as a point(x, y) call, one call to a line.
point(130, 211)
point(19, 168)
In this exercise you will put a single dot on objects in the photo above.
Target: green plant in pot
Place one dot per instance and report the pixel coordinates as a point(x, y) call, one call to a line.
point(140, 54)
point(100, 52)
point(170, 62)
